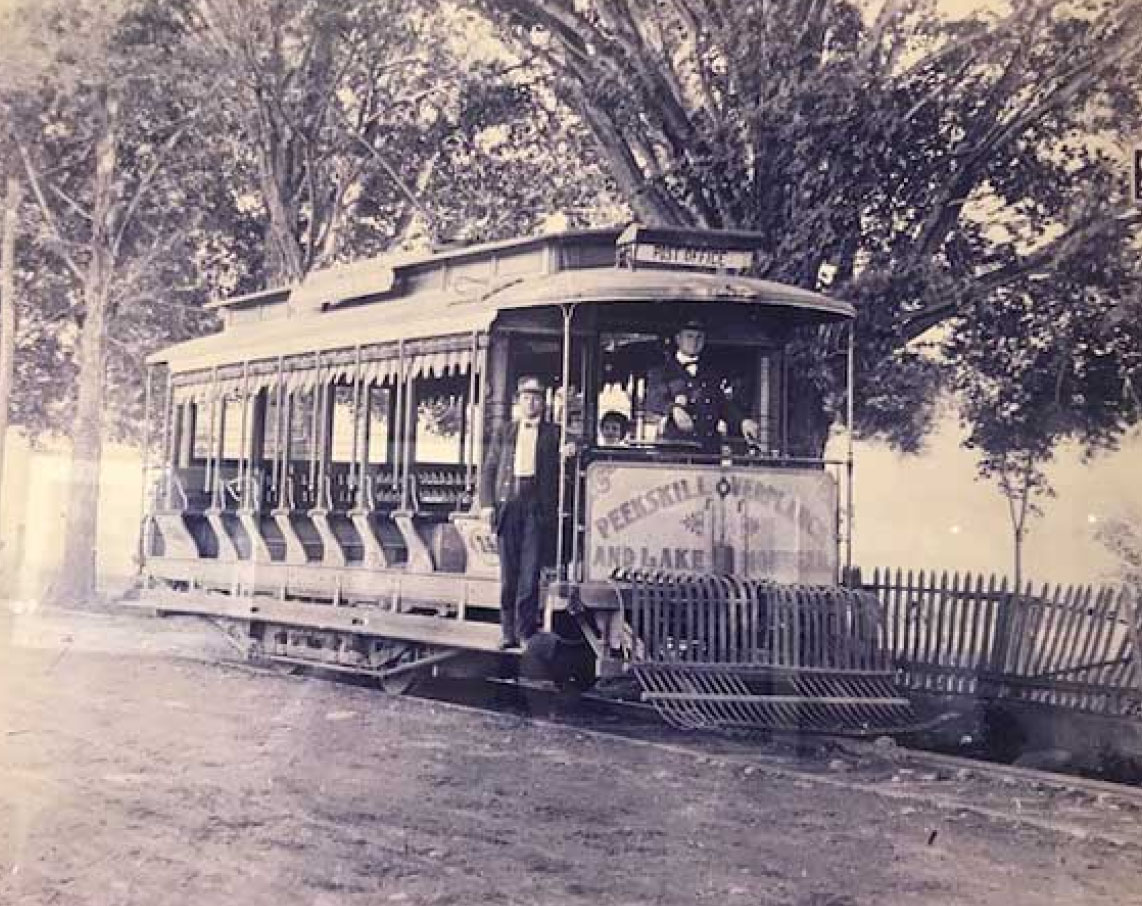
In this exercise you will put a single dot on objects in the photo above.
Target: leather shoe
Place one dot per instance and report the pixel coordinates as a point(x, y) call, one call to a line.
point(509, 644)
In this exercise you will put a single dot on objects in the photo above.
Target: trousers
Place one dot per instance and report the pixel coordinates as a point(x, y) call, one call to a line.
point(521, 541)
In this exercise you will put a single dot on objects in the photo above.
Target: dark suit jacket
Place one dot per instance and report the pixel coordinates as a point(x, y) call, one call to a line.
point(705, 400)
point(497, 478)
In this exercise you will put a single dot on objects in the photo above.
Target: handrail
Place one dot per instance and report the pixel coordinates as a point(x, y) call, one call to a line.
point(675, 452)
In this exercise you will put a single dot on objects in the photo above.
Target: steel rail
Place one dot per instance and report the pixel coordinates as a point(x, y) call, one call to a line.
point(638, 716)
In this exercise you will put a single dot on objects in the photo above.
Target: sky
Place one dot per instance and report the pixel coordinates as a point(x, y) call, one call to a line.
point(929, 511)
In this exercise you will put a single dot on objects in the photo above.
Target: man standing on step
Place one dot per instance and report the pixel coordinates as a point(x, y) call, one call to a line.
point(519, 492)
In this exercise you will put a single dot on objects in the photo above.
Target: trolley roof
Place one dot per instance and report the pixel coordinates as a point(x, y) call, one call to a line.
point(462, 291)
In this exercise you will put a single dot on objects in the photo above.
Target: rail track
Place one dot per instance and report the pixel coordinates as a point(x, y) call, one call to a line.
point(1063, 807)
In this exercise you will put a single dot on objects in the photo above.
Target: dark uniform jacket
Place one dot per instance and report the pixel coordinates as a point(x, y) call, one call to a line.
point(497, 478)
point(705, 401)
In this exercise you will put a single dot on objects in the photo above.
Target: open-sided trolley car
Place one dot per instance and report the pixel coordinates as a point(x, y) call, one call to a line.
point(322, 454)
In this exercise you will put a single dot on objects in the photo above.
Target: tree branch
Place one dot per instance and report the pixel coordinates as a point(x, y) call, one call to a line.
point(1042, 260)
point(46, 211)
point(148, 179)
point(433, 226)
point(989, 136)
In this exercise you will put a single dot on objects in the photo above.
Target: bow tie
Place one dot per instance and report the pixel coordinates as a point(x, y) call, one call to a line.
point(530, 423)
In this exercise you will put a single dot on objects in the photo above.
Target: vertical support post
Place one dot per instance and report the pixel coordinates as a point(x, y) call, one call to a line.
point(479, 418)
point(470, 419)
point(568, 311)
point(218, 492)
point(396, 439)
point(364, 420)
point(850, 380)
point(314, 425)
point(478, 440)
point(244, 442)
point(785, 401)
point(590, 417)
point(407, 377)
point(212, 397)
point(354, 472)
point(175, 424)
point(148, 374)
point(145, 497)
point(281, 438)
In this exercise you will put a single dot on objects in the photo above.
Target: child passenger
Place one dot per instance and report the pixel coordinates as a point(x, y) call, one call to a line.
point(614, 427)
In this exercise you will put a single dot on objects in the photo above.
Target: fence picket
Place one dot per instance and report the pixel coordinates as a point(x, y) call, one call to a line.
point(1072, 646)
point(1065, 658)
point(978, 644)
point(936, 627)
point(961, 594)
point(1101, 639)
point(1048, 662)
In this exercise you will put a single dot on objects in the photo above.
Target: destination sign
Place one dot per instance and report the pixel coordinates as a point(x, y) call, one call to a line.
point(760, 524)
point(721, 259)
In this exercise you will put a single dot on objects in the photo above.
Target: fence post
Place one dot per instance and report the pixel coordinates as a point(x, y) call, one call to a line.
point(1005, 603)
point(1133, 598)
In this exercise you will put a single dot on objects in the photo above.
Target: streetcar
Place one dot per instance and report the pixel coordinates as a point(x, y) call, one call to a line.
point(317, 490)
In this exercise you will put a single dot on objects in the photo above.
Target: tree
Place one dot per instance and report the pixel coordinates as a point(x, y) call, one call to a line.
point(95, 125)
point(9, 219)
point(1029, 372)
point(916, 166)
point(1121, 534)
point(359, 125)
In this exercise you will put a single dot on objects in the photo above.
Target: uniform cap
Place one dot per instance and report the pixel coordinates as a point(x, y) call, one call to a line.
point(693, 324)
point(530, 384)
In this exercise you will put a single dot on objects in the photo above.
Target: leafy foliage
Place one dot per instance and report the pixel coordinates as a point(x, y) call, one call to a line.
point(1122, 536)
point(356, 127)
point(920, 167)
point(80, 73)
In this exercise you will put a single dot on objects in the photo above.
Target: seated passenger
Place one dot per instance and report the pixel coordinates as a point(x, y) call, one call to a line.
point(688, 395)
point(614, 428)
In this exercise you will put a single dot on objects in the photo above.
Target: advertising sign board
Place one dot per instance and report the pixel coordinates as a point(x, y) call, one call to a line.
point(757, 523)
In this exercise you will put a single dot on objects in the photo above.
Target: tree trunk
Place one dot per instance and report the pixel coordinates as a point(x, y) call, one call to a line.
point(12, 198)
point(13, 195)
point(1018, 559)
point(76, 581)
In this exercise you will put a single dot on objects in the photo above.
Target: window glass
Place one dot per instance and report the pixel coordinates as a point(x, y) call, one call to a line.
point(201, 419)
point(232, 446)
point(345, 434)
point(440, 420)
point(379, 406)
point(301, 424)
point(272, 427)
point(626, 359)
point(348, 426)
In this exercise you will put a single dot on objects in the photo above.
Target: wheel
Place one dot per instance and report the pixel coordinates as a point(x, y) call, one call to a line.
point(398, 685)
point(256, 656)
point(568, 664)
point(385, 655)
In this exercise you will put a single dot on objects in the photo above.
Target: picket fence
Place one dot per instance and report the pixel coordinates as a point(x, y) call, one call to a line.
point(1077, 646)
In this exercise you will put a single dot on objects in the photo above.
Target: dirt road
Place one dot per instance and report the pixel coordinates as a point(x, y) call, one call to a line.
point(131, 773)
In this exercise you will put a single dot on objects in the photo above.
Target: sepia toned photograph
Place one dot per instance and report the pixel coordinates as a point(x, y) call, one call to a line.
point(570, 452)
